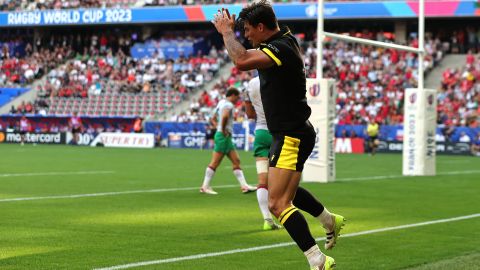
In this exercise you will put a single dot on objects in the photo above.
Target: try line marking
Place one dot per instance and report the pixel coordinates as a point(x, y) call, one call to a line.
point(285, 244)
point(108, 193)
point(53, 173)
point(383, 177)
point(74, 196)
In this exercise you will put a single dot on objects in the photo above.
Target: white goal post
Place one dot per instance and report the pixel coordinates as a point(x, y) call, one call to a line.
point(419, 149)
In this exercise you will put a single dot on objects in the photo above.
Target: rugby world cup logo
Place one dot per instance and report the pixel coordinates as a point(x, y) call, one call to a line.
point(311, 11)
point(413, 98)
point(430, 100)
point(314, 90)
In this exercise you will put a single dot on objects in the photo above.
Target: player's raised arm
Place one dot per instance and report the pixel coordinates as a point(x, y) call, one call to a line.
point(242, 58)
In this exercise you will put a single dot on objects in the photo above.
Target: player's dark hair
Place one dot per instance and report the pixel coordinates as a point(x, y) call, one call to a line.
point(259, 12)
point(232, 91)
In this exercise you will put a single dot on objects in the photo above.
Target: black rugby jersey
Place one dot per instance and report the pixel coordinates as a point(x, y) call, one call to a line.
point(283, 86)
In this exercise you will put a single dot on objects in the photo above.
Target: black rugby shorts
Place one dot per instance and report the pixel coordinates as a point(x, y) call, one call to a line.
point(290, 150)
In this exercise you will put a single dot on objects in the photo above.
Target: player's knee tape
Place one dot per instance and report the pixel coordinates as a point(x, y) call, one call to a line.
point(262, 166)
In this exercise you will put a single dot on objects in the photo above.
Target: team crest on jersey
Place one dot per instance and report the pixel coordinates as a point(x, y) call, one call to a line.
point(413, 98)
point(314, 90)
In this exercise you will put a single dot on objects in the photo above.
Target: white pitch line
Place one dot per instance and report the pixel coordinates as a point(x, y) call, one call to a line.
point(460, 172)
point(285, 244)
point(454, 161)
point(383, 177)
point(53, 173)
point(74, 196)
point(248, 166)
point(107, 194)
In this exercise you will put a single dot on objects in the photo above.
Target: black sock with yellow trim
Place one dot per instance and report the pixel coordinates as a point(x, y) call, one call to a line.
point(305, 201)
point(297, 227)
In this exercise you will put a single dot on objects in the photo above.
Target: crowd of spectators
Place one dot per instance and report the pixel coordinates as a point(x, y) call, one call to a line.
point(96, 73)
point(464, 40)
point(102, 64)
point(23, 108)
point(371, 84)
point(82, 65)
point(370, 80)
point(459, 95)
point(201, 108)
point(20, 64)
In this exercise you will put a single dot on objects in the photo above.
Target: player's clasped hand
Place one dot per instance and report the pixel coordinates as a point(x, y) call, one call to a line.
point(223, 21)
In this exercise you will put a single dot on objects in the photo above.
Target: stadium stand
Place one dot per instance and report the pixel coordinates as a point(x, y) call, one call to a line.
point(102, 78)
point(370, 81)
point(21, 64)
point(106, 80)
point(459, 96)
point(200, 109)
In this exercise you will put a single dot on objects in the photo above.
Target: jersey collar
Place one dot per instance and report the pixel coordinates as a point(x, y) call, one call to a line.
point(284, 30)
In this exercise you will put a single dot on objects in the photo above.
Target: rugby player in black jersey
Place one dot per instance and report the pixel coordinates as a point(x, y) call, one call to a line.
point(281, 70)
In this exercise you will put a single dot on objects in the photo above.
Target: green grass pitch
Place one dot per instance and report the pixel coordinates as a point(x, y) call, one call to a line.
point(160, 215)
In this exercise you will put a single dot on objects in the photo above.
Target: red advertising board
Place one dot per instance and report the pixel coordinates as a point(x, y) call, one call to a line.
point(349, 145)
